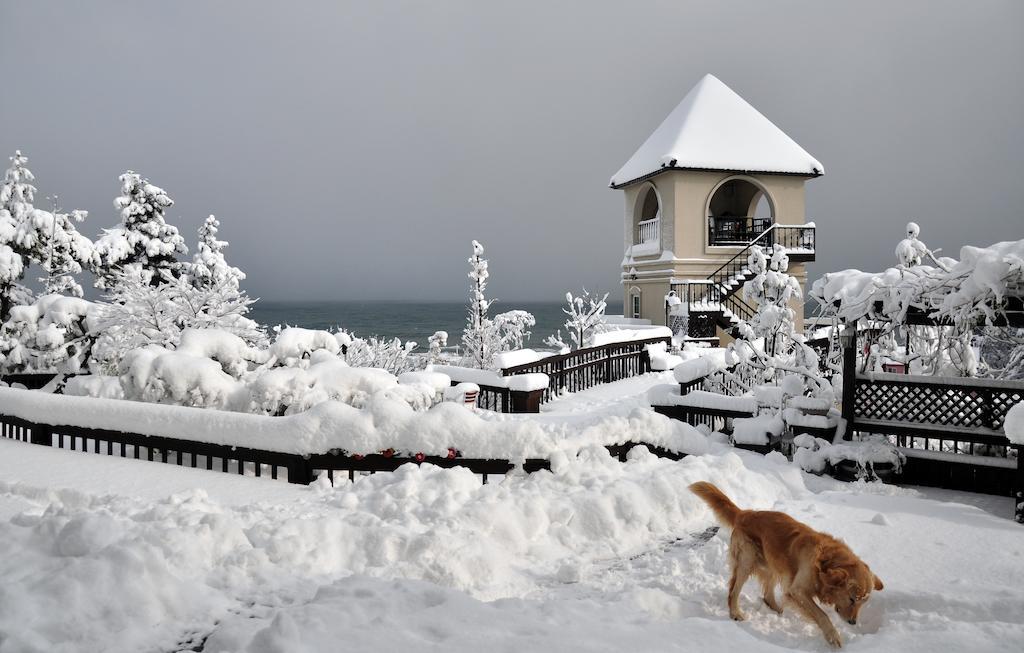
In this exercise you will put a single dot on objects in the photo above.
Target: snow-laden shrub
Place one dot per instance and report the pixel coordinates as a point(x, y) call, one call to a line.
point(159, 375)
point(293, 346)
point(232, 353)
point(94, 385)
point(137, 313)
point(52, 334)
point(389, 354)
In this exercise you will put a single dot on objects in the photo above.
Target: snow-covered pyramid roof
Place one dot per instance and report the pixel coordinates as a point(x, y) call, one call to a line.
point(713, 128)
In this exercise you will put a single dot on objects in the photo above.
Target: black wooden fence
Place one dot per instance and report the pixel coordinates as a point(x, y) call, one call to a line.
point(296, 468)
point(949, 429)
point(591, 366)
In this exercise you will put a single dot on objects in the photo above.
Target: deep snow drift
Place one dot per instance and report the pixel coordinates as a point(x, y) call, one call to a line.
point(123, 555)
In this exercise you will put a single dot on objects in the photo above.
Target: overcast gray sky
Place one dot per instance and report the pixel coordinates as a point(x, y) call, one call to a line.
point(352, 150)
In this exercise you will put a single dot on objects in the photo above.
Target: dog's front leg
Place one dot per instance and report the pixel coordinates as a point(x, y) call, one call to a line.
point(807, 605)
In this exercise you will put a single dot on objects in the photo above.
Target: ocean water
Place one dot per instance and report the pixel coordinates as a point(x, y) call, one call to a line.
point(414, 321)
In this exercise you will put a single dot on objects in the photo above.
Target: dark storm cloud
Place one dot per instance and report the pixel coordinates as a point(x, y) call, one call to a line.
point(352, 150)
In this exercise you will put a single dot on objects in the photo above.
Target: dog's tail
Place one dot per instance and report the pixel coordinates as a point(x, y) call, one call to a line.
point(724, 509)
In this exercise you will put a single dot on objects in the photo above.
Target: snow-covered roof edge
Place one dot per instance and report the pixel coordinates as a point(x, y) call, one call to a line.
point(714, 129)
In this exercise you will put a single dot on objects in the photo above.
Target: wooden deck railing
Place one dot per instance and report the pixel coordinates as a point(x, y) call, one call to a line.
point(586, 368)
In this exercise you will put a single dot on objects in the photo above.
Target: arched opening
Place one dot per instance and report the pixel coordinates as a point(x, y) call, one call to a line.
point(647, 218)
point(738, 212)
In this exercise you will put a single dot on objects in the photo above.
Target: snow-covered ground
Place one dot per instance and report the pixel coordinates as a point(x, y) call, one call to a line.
point(122, 555)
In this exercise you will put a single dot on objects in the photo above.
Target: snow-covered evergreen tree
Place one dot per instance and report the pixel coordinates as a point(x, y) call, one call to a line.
point(30, 235)
point(209, 268)
point(143, 237)
point(585, 319)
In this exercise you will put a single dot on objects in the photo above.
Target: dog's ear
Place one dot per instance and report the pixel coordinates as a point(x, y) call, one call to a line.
point(836, 576)
point(878, 583)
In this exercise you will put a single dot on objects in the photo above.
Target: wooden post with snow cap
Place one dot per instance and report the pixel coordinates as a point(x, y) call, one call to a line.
point(42, 434)
point(848, 338)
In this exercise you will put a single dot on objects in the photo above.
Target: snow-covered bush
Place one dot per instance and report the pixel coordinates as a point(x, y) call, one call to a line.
point(483, 337)
point(30, 235)
point(389, 354)
point(53, 334)
point(143, 237)
point(159, 375)
point(138, 312)
point(294, 346)
point(436, 343)
point(585, 320)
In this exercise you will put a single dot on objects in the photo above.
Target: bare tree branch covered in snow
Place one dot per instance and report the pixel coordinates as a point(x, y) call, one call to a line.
point(483, 337)
point(585, 320)
point(961, 295)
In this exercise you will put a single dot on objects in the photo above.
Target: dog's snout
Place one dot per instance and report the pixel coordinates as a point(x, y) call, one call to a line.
point(852, 622)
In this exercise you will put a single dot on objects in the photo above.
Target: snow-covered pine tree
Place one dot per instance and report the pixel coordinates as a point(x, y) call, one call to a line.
point(30, 235)
point(64, 252)
point(143, 237)
point(209, 268)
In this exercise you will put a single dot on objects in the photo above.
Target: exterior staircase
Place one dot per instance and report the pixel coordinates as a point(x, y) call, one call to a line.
point(715, 302)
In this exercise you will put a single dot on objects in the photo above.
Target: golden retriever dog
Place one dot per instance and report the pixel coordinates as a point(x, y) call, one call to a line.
point(808, 565)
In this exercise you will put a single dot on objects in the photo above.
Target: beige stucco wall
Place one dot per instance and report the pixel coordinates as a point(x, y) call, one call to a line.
point(685, 253)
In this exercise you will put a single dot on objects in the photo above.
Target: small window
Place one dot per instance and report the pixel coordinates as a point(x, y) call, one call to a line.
point(636, 306)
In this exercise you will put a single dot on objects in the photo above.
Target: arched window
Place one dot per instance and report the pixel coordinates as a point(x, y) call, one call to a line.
point(647, 218)
point(738, 212)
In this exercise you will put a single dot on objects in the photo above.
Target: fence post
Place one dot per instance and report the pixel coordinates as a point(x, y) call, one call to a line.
point(300, 471)
point(526, 401)
point(41, 434)
point(608, 364)
point(849, 378)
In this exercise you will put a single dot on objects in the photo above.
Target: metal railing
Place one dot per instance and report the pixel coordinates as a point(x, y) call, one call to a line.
point(647, 231)
point(735, 230)
point(718, 293)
